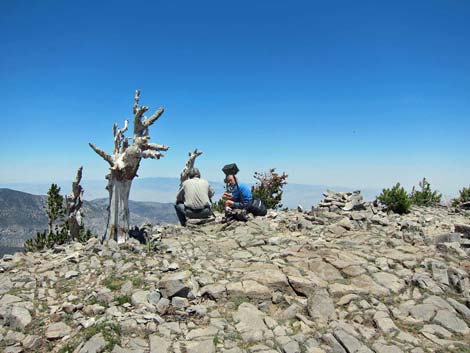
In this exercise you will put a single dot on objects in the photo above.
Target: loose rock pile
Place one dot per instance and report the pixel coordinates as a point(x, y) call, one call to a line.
point(347, 201)
point(343, 281)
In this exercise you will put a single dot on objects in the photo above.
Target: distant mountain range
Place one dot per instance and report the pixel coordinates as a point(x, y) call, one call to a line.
point(164, 190)
point(22, 215)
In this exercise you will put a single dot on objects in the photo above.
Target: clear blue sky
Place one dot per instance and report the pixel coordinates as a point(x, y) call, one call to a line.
point(353, 93)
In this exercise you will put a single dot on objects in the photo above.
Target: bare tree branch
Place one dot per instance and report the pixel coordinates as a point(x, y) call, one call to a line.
point(139, 128)
point(149, 121)
point(76, 188)
point(151, 154)
point(125, 144)
point(141, 141)
point(189, 164)
point(140, 112)
point(136, 100)
point(155, 147)
point(119, 135)
point(102, 153)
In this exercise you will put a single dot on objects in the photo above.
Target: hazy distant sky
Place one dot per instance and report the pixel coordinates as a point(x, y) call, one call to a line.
point(353, 93)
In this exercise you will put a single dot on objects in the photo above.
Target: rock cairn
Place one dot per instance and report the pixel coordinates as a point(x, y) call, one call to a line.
point(290, 282)
point(347, 201)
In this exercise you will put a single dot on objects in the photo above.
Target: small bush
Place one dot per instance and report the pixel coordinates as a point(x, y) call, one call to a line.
point(48, 240)
point(219, 206)
point(123, 299)
point(463, 197)
point(395, 199)
point(425, 196)
point(113, 283)
point(60, 234)
point(269, 188)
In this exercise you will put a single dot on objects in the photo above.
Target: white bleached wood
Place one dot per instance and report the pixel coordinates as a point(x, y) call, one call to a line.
point(124, 164)
point(73, 205)
point(189, 165)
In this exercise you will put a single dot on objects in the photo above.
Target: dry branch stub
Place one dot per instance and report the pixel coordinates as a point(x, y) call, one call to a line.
point(189, 165)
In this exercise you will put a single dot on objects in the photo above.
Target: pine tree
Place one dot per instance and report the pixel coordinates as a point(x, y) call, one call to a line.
point(425, 196)
point(464, 196)
point(395, 199)
point(54, 206)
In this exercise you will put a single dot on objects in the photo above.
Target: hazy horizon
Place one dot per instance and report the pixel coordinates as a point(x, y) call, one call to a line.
point(163, 189)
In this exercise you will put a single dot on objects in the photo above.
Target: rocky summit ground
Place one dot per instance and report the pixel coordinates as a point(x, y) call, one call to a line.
point(294, 281)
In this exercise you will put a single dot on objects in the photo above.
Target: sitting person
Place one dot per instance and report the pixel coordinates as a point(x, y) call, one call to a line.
point(240, 196)
point(193, 198)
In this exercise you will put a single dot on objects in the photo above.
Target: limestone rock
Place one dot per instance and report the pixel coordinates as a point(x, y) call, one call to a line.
point(320, 306)
point(19, 318)
point(140, 297)
point(206, 346)
point(451, 322)
point(159, 344)
point(57, 330)
point(176, 284)
point(250, 324)
point(95, 344)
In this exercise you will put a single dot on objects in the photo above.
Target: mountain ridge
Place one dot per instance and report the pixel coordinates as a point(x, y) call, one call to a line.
point(163, 189)
point(22, 215)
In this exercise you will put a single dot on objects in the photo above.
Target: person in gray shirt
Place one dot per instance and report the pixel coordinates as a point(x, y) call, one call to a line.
point(193, 198)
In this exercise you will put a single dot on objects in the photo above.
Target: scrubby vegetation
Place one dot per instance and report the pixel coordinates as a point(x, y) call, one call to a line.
point(425, 196)
point(395, 199)
point(58, 231)
point(48, 240)
point(464, 196)
point(268, 188)
point(218, 206)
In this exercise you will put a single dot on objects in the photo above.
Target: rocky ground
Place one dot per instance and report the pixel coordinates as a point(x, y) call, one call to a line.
point(326, 280)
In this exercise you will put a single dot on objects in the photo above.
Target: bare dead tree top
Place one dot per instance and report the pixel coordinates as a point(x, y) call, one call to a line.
point(77, 189)
point(127, 156)
point(189, 164)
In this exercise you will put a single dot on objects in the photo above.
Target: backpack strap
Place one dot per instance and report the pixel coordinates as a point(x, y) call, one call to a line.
point(239, 192)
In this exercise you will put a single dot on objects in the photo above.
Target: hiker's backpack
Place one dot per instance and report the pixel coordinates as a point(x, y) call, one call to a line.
point(256, 207)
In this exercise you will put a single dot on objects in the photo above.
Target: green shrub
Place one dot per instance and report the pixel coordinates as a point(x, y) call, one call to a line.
point(268, 188)
point(54, 206)
point(122, 299)
point(219, 206)
point(463, 197)
point(425, 196)
point(48, 240)
point(395, 199)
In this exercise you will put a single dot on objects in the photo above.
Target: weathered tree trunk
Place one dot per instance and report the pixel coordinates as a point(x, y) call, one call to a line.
point(73, 204)
point(124, 164)
point(118, 215)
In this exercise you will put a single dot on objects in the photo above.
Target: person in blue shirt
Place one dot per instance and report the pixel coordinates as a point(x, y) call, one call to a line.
point(240, 196)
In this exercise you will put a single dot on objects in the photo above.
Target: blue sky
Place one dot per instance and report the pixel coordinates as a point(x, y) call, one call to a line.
point(360, 94)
